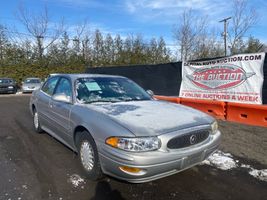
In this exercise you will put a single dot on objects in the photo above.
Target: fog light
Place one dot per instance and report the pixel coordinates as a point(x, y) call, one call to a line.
point(132, 170)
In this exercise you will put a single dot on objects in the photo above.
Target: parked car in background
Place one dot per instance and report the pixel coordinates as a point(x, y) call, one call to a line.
point(31, 84)
point(8, 85)
point(118, 129)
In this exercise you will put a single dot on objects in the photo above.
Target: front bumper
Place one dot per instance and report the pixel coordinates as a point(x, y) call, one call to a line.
point(28, 90)
point(156, 164)
point(7, 90)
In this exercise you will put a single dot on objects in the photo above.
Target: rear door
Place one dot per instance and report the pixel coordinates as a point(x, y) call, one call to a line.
point(43, 103)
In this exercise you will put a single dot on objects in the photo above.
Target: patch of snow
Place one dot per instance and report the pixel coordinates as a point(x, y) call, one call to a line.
point(221, 160)
point(245, 166)
point(225, 161)
point(25, 187)
point(19, 93)
point(259, 174)
point(76, 180)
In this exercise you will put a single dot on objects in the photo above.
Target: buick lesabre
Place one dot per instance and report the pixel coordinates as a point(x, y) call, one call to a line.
point(119, 129)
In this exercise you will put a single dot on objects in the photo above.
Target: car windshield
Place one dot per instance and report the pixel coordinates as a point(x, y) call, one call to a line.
point(108, 89)
point(5, 81)
point(32, 81)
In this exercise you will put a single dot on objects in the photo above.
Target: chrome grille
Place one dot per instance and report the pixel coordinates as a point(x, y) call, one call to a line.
point(188, 139)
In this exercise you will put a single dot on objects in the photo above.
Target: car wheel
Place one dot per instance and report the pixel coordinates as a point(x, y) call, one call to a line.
point(88, 156)
point(36, 122)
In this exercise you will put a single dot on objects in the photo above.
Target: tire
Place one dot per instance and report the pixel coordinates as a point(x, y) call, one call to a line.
point(36, 122)
point(88, 156)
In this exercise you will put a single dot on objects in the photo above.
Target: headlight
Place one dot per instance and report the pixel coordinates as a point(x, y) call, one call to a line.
point(141, 144)
point(214, 127)
point(10, 87)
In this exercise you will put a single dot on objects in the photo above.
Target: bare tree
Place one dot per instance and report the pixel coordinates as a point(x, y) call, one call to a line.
point(82, 40)
point(244, 17)
point(207, 45)
point(187, 32)
point(39, 27)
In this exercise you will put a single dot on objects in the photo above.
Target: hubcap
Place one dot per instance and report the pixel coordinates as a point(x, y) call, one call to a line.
point(87, 155)
point(36, 120)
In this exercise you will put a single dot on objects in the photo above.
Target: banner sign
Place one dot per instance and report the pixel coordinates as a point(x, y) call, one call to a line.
point(236, 78)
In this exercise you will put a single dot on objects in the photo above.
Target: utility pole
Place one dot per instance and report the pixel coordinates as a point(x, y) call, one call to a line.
point(225, 33)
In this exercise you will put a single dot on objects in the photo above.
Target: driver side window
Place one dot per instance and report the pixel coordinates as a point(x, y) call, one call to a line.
point(50, 85)
point(64, 87)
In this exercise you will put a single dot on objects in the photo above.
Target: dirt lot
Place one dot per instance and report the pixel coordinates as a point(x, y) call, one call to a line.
point(36, 166)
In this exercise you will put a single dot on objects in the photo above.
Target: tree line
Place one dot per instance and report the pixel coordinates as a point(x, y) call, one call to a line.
point(72, 54)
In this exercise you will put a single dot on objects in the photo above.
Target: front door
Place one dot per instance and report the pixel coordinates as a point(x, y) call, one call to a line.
point(60, 111)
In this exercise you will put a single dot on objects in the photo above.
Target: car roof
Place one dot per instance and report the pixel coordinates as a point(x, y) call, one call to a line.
point(76, 76)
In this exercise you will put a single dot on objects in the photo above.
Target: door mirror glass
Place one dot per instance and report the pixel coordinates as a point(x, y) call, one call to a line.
point(61, 98)
point(150, 92)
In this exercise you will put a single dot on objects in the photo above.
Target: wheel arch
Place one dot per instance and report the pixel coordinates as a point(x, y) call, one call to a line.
point(78, 129)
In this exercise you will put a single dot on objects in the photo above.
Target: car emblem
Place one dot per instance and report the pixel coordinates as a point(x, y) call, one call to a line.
point(193, 139)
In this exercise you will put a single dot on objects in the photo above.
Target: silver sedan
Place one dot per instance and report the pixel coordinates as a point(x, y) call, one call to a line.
point(31, 84)
point(118, 129)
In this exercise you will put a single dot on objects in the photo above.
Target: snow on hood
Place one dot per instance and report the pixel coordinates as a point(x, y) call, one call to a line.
point(145, 118)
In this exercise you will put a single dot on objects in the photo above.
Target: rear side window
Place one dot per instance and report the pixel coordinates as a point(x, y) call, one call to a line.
point(50, 85)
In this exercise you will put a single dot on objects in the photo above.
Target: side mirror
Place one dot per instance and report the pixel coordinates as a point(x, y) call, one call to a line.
point(61, 98)
point(150, 92)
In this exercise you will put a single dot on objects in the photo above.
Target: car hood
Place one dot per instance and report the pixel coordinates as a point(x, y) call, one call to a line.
point(148, 118)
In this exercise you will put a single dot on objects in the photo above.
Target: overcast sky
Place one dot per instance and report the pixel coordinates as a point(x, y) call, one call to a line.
point(147, 17)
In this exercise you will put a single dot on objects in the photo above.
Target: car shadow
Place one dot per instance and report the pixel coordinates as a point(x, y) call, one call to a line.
point(104, 191)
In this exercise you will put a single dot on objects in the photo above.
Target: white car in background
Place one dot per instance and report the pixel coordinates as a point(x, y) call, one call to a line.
point(31, 84)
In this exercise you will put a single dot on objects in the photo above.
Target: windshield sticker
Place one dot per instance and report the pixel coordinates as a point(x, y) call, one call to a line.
point(92, 86)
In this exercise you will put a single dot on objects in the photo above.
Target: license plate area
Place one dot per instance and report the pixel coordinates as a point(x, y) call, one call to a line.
point(192, 159)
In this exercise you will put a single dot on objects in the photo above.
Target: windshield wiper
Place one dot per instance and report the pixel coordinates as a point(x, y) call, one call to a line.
point(102, 101)
point(136, 99)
